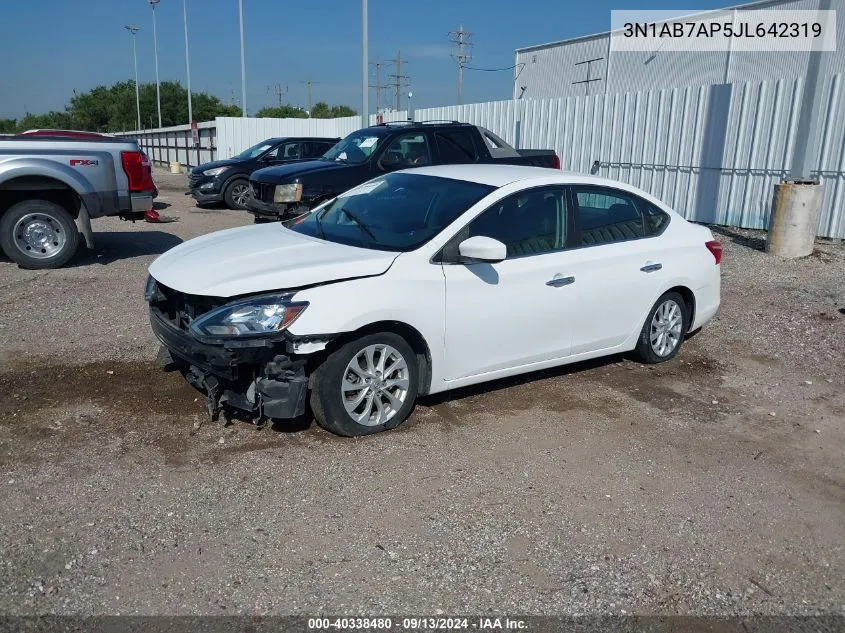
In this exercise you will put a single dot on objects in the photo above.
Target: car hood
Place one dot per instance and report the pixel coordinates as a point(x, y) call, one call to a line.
point(262, 258)
point(291, 173)
point(228, 162)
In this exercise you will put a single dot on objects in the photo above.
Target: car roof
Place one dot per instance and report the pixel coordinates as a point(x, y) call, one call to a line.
point(501, 175)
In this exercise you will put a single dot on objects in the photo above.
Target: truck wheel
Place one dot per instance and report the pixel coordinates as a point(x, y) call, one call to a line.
point(38, 234)
point(236, 194)
point(368, 385)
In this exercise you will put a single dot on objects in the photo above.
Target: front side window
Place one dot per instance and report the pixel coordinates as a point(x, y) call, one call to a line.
point(357, 147)
point(407, 151)
point(531, 222)
point(255, 150)
point(605, 215)
point(396, 212)
point(285, 151)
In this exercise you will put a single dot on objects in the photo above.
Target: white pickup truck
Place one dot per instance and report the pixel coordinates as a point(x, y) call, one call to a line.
point(51, 187)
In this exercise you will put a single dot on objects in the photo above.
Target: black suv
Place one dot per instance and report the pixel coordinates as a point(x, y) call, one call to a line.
point(228, 180)
point(285, 191)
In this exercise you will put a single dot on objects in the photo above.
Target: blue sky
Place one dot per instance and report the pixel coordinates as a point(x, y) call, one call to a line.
point(56, 46)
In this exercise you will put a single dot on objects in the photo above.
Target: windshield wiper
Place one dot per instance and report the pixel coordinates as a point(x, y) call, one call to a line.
point(360, 224)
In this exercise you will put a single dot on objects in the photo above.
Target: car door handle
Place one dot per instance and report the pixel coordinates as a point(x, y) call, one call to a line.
point(557, 281)
point(650, 268)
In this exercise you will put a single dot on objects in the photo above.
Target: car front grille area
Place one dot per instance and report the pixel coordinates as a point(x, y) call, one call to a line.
point(180, 309)
point(193, 180)
point(262, 191)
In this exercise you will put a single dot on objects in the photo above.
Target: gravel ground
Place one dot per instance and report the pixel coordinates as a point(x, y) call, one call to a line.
point(712, 484)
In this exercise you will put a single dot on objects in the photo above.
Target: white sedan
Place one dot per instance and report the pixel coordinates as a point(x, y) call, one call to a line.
point(425, 280)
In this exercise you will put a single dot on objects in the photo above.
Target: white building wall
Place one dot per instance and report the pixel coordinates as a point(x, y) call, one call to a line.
point(548, 71)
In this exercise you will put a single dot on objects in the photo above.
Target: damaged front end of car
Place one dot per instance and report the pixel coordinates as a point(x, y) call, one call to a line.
point(235, 351)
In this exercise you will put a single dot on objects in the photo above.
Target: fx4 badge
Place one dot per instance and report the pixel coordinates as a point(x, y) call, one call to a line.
point(83, 162)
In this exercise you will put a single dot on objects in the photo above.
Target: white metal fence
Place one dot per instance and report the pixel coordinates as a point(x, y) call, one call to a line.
point(713, 153)
point(176, 143)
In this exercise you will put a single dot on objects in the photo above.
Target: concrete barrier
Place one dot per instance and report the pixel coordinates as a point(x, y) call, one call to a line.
point(794, 219)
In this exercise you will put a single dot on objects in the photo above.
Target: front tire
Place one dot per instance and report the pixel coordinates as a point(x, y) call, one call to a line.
point(236, 193)
point(368, 385)
point(663, 331)
point(38, 234)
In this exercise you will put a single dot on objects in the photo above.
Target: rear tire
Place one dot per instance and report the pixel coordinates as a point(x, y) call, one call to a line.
point(367, 386)
point(663, 331)
point(236, 193)
point(38, 234)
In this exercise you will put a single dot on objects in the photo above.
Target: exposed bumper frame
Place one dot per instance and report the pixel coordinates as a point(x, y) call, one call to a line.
point(260, 377)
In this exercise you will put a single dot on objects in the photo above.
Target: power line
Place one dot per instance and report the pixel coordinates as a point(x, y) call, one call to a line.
point(461, 40)
point(378, 86)
point(278, 90)
point(399, 80)
point(309, 83)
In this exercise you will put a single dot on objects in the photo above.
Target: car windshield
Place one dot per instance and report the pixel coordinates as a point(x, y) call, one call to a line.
point(396, 212)
point(355, 148)
point(255, 150)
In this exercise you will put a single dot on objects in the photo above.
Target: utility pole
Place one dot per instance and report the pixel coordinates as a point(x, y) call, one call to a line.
point(243, 61)
point(153, 4)
point(365, 67)
point(133, 30)
point(308, 83)
point(187, 60)
point(399, 80)
point(378, 86)
point(461, 40)
point(278, 90)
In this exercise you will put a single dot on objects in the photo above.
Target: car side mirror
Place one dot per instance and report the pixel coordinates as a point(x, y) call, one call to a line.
point(482, 249)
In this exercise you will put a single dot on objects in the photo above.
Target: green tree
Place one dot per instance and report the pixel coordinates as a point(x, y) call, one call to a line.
point(321, 110)
point(228, 110)
point(8, 126)
point(341, 111)
point(281, 112)
point(49, 121)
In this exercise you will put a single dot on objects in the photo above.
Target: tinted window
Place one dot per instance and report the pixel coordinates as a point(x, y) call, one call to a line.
point(357, 147)
point(310, 149)
point(285, 151)
point(528, 223)
point(456, 146)
point(655, 219)
point(606, 215)
point(396, 212)
point(407, 150)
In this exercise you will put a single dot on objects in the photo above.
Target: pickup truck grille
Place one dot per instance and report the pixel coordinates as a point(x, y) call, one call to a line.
point(180, 309)
point(262, 191)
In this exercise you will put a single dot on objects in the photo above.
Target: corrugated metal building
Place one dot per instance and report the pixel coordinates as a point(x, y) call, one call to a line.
point(559, 69)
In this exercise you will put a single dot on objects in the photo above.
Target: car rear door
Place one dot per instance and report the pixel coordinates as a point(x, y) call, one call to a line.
point(616, 260)
point(516, 312)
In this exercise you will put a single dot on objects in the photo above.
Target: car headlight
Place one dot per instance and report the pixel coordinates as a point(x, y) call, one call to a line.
point(288, 193)
point(258, 316)
point(150, 288)
point(214, 172)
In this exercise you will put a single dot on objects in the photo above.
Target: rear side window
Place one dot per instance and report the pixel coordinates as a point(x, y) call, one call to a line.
point(605, 215)
point(655, 219)
point(456, 146)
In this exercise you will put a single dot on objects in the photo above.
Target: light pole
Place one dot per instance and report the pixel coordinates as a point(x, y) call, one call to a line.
point(243, 63)
point(365, 66)
point(133, 30)
point(187, 59)
point(153, 4)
